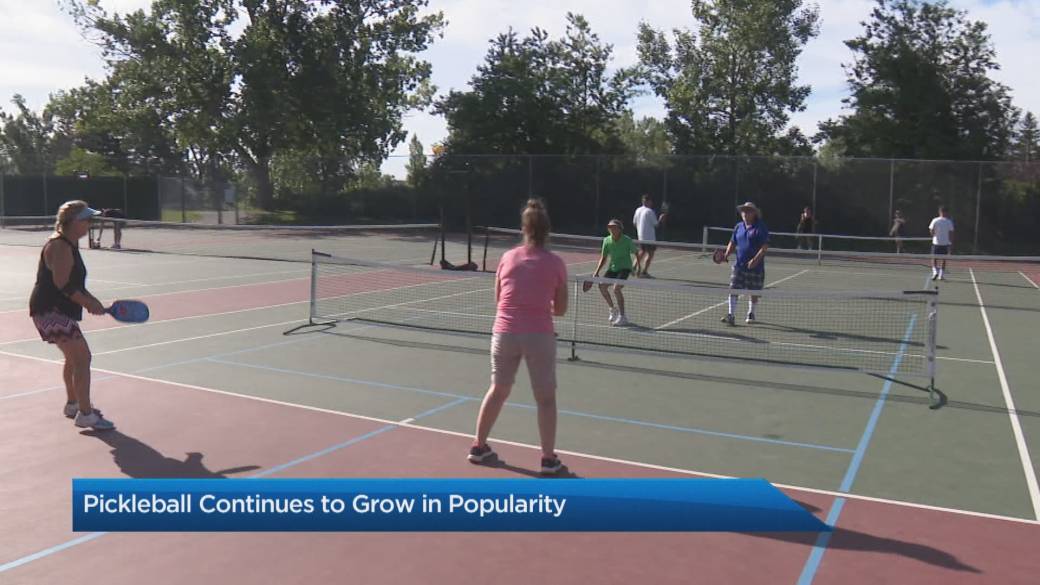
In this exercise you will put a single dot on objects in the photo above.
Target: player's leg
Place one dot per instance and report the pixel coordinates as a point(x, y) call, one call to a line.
point(505, 360)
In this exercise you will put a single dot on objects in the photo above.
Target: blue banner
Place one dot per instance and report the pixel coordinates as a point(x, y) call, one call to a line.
point(436, 505)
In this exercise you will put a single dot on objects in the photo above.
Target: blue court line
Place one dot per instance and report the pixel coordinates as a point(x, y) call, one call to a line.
point(353, 441)
point(630, 421)
point(812, 564)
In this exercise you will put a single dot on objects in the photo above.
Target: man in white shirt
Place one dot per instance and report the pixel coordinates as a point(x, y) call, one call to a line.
point(646, 222)
point(942, 242)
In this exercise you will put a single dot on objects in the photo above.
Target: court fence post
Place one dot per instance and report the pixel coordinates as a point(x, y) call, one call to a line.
point(3, 209)
point(574, 322)
point(314, 288)
point(819, 249)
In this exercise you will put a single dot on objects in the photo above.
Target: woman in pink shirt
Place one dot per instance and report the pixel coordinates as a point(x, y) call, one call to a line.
point(530, 287)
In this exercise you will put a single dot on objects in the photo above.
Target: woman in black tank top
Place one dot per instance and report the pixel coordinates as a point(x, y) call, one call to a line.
point(56, 306)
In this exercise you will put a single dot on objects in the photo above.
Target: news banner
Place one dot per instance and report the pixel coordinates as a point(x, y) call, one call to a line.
point(436, 505)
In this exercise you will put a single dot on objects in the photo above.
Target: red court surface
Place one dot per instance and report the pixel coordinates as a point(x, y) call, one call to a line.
point(175, 430)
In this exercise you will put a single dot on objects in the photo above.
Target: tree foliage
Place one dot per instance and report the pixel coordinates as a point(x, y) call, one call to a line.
point(239, 82)
point(920, 87)
point(730, 86)
point(535, 95)
point(30, 143)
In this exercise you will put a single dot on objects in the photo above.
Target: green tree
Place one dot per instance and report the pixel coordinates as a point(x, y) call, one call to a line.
point(730, 87)
point(921, 89)
point(534, 95)
point(1027, 139)
point(416, 162)
point(645, 137)
point(330, 79)
point(31, 142)
point(80, 160)
point(108, 121)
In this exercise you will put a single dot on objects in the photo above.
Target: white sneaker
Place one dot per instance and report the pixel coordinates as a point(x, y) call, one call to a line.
point(71, 408)
point(621, 321)
point(614, 314)
point(94, 421)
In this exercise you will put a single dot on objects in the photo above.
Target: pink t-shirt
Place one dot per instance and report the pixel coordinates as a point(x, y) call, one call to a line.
point(528, 278)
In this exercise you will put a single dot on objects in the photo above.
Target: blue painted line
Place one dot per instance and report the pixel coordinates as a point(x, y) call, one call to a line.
point(812, 564)
point(574, 413)
point(868, 433)
point(51, 388)
point(350, 442)
point(50, 551)
point(354, 441)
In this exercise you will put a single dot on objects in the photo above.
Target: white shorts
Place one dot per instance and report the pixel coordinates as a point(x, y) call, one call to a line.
point(538, 349)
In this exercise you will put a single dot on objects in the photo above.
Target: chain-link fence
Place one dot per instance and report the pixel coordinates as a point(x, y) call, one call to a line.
point(995, 205)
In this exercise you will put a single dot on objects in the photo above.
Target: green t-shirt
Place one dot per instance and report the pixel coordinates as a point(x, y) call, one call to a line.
point(620, 252)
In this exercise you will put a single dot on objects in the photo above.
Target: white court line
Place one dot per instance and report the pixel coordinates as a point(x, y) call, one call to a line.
point(189, 281)
point(195, 338)
point(717, 305)
point(169, 383)
point(1029, 280)
point(1016, 425)
point(195, 290)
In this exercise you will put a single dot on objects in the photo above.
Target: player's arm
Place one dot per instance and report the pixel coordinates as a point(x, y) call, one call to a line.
point(560, 298)
point(758, 257)
point(59, 261)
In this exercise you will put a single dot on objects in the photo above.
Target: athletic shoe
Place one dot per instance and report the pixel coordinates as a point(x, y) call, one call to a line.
point(551, 465)
point(71, 408)
point(621, 321)
point(116, 247)
point(478, 454)
point(647, 275)
point(614, 314)
point(935, 276)
point(728, 320)
point(94, 420)
point(750, 318)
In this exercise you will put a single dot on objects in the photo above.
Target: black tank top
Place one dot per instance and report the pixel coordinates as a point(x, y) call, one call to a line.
point(46, 297)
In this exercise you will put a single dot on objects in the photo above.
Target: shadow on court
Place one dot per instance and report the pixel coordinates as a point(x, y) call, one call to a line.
point(854, 540)
point(139, 460)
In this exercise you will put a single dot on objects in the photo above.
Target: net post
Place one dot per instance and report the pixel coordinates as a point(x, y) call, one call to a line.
point(314, 288)
point(574, 321)
point(819, 249)
point(3, 209)
point(704, 236)
point(933, 327)
point(487, 242)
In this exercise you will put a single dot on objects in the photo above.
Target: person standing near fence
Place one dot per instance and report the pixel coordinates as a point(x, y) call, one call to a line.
point(806, 225)
point(530, 288)
point(941, 229)
point(898, 230)
point(646, 222)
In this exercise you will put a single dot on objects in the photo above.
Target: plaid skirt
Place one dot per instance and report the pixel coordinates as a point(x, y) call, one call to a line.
point(54, 327)
point(742, 278)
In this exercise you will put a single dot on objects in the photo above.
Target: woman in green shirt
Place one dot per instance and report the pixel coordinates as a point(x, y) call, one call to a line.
point(619, 248)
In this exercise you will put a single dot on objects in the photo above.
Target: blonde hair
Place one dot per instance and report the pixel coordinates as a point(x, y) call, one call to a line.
point(67, 214)
point(534, 222)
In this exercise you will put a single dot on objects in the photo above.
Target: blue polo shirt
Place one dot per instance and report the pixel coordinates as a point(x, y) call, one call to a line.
point(749, 240)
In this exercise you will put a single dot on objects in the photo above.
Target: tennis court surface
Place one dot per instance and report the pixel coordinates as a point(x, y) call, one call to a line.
point(265, 360)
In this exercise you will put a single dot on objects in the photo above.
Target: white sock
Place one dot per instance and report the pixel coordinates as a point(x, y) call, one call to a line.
point(732, 304)
point(751, 306)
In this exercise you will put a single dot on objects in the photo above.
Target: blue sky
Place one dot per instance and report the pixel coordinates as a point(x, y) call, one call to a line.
point(41, 50)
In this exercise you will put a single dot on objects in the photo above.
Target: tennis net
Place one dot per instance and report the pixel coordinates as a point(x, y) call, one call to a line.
point(888, 332)
point(691, 262)
point(399, 243)
point(719, 236)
